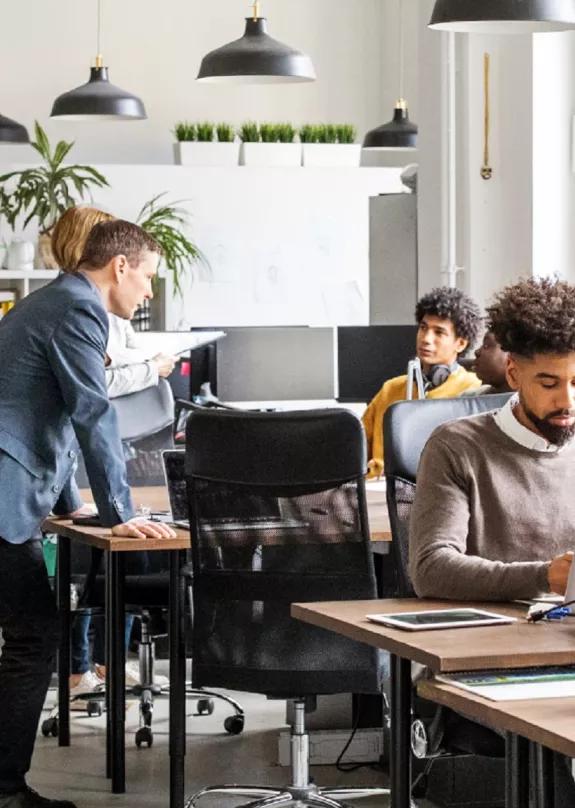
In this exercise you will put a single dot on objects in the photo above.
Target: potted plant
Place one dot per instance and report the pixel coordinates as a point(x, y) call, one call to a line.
point(167, 222)
point(46, 191)
point(196, 145)
point(330, 145)
point(270, 144)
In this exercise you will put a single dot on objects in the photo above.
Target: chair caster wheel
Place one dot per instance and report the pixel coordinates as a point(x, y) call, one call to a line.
point(205, 706)
point(50, 728)
point(234, 724)
point(94, 709)
point(144, 737)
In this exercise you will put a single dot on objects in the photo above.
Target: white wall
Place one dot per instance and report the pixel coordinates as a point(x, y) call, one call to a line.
point(154, 50)
point(553, 177)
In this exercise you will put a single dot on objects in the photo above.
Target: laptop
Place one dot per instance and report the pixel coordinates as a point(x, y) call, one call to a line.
point(225, 512)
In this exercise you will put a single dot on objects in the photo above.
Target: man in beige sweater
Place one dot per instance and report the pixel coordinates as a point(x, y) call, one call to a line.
point(494, 513)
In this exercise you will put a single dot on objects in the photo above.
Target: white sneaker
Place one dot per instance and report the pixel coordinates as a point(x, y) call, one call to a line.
point(133, 676)
point(89, 683)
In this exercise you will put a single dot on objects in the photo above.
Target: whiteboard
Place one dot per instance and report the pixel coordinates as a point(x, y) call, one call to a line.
point(285, 246)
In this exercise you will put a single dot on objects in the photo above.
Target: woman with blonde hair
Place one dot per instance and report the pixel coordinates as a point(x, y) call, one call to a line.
point(125, 373)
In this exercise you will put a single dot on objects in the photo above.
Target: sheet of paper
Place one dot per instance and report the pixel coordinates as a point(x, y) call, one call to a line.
point(171, 343)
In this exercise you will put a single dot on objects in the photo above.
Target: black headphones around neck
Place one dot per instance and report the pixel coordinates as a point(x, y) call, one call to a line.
point(438, 375)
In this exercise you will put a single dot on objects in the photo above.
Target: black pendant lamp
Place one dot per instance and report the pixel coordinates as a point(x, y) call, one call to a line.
point(400, 132)
point(256, 58)
point(503, 16)
point(98, 99)
point(12, 132)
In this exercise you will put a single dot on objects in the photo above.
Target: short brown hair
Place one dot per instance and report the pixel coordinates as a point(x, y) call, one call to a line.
point(70, 234)
point(110, 239)
point(535, 316)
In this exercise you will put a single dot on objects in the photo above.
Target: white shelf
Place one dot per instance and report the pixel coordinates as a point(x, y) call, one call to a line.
point(32, 274)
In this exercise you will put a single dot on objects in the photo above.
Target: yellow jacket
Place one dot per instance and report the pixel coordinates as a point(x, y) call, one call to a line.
point(395, 390)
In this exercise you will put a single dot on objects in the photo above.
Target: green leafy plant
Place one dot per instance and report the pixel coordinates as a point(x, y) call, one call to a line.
point(205, 132)
point(225, 132)
point(327, 133)
point(185, 132)
point(309, 133)
point(285, 133)
point(46, 191)
point(166, 221)
point(249, 132)
point(269, 133)
point(346, 133)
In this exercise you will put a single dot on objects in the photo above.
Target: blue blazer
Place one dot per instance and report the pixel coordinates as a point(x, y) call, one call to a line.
point(53, 397)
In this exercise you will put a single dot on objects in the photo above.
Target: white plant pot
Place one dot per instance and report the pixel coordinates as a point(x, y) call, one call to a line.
point(332, 154)
point(271, 154)
point(197, 153)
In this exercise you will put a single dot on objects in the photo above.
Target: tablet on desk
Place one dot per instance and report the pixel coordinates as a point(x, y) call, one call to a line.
point(441, 618)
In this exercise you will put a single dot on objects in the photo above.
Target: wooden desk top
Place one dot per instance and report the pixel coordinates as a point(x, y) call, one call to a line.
point(550, 722)
point(156, 498)
point(517, 645)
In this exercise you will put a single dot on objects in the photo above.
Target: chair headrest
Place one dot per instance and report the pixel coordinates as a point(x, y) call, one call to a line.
point(146, 412)
point(408, 425)
point(275, 448)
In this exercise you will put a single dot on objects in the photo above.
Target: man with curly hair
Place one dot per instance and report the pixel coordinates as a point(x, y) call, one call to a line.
point(494, 517)
point(449, 324)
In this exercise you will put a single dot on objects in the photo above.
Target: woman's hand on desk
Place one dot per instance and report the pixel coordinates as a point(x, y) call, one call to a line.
point(140, 528)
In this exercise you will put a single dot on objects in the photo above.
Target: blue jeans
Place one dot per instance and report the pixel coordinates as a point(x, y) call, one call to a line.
point(81, 643)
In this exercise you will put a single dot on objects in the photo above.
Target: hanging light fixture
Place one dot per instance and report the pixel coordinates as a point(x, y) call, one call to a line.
point(400, 132)
point(256, 58)
point(98, 100)
point(12, 132)
point(503, 16)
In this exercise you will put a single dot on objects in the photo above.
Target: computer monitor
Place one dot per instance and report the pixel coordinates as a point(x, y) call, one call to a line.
point(367, 356)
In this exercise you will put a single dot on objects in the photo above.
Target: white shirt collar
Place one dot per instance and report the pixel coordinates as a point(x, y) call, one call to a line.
point(507, 422)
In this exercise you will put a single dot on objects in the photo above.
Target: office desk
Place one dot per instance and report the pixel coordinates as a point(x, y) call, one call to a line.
point(115, 547)
point(517, 645)
point(549, 723)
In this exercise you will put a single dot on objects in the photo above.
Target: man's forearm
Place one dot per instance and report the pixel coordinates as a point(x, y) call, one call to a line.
point(452, 575)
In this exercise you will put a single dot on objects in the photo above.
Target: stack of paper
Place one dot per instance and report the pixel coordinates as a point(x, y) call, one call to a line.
point(516, 685)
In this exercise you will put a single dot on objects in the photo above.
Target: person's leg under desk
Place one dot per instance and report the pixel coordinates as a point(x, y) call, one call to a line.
point(30, 632)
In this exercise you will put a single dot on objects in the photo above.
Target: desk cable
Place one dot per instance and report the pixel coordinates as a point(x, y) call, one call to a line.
point(540, 612)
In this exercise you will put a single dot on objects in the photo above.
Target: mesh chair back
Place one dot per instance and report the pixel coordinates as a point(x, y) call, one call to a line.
point(407, 427)
point(277, 515)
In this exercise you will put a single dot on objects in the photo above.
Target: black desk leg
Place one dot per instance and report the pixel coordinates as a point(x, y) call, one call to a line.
point(400, 733)
point(63, 584)
point(544, 785)
point(108, 656)
point(116, 670)
point(516, 772)
point(177, 679)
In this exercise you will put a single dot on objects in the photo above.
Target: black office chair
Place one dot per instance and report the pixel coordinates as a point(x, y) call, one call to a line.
point(278, 515)
point(407, 427)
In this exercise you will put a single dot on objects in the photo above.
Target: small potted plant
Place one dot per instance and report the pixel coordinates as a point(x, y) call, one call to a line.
point(271, 144)
point(196, 145)
point(330, 145)
point(44, 192)
point(186, 135)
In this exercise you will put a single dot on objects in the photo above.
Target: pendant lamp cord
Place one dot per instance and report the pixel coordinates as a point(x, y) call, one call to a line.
point(486, 170)
point(256, 8)
point(401, 77)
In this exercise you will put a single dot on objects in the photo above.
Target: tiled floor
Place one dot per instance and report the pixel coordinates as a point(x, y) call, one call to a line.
point(213, 757)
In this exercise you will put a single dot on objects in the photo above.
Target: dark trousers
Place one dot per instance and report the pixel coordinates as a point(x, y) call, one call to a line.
point(30, 633)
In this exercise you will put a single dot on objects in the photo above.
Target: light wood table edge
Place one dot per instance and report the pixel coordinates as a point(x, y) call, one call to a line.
point(105, 540)
point(509, 716)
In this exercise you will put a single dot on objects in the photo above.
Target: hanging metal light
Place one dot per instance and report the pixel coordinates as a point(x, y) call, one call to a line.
point(98, 99)
point(256, 58)
point(503, 16)
point(12, 131)
point(400, 132)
